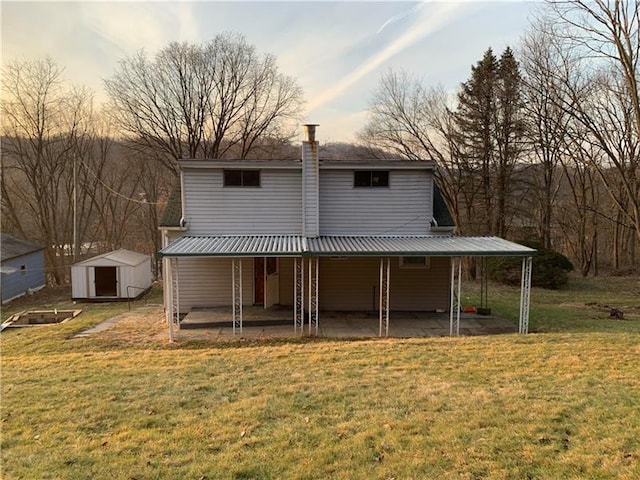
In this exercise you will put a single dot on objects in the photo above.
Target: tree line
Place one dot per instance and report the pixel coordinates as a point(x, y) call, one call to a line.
point(541, 142)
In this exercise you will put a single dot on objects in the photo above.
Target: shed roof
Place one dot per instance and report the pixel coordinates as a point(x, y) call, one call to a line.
point(329, 246)
point(120, 257)
point(12, 247)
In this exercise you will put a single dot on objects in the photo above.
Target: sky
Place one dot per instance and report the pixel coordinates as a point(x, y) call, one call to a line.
point(337, 51)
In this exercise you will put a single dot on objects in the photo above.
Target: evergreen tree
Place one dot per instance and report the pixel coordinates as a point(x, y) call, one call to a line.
point(489, 130)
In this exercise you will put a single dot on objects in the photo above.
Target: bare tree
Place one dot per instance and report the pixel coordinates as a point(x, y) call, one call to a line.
point(547, 122)
point(416, 123)
point(607, 101)
point(194, 101)
point(46, 129)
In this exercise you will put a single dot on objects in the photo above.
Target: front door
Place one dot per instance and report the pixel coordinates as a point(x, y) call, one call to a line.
point(106, 281)
point(258, 280)
point(272, 282)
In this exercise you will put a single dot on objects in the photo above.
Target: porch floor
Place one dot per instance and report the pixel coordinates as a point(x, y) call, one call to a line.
point(277, 322)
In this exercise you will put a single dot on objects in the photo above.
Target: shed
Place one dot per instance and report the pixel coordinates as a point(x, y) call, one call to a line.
point(22, 267)
point(118, 275)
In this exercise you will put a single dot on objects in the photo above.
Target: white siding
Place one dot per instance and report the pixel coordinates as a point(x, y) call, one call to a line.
point(274, 208)
point(402, 208)
point(79, 282)
point(353, 284)
point(206, 282)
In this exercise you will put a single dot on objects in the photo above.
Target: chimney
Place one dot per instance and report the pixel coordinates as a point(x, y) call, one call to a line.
point(310, 184)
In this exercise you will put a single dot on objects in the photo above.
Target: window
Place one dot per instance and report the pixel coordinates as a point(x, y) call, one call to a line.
point(242, 178)
point(415, 262)
point(371, 178)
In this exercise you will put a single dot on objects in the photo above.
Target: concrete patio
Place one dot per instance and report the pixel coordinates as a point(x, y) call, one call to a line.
point(277, 322)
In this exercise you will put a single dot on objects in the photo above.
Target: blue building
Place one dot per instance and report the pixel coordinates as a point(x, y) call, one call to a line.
point(22, 267)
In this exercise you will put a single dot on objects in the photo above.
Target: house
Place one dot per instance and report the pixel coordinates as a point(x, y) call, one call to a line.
point(22, 267)
point(118, 275)
point(316, 235)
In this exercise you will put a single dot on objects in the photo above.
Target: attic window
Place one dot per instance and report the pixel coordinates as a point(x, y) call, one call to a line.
point(371, 178)
point(242, 178)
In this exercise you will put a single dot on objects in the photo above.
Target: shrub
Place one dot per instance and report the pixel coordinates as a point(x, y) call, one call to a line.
point(550, 268)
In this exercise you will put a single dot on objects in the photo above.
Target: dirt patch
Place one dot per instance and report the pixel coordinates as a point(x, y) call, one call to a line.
point(614, 310)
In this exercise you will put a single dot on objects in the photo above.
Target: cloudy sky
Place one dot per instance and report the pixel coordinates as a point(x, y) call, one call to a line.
point(336, 50)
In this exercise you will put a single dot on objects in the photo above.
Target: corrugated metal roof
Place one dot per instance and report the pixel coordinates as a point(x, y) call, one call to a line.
point(444, 246)
point(238, 246)
point(296, 245)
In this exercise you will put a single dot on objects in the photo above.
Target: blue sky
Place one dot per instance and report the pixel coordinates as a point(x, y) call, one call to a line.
point(336, 50)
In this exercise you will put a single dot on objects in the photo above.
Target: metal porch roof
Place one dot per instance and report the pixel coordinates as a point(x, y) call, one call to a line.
point(235, 246)
point(331, 246)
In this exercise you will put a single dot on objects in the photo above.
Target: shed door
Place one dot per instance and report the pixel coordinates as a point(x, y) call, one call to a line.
point(106, 280)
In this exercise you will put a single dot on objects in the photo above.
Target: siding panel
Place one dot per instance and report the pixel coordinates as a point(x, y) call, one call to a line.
point(211, 209)
point(206, 282)
point(353, 284)
point(402, 208)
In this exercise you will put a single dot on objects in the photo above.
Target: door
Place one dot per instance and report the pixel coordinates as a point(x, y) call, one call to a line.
point(106, 281)
point(258, 280)
point(272, 282)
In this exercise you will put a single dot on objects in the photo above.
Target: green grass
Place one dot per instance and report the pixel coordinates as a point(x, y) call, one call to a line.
point(127, 404)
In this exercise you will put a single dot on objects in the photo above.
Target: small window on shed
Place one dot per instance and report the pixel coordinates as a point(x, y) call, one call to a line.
point(23, 270)
point(242, 178)
point(371, 178)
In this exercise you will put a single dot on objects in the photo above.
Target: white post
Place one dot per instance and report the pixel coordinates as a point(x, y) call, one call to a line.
point(454, 306)
point(236, 282)
point(298, 300)
point(525, 295)
point(383, 300)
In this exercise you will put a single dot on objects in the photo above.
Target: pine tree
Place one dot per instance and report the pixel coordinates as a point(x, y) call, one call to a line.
point(489, 133)
point(475, 121)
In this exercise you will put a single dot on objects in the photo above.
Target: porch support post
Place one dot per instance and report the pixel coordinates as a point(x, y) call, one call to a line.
point(525, 295)
point(298, 290)
point(174, 304)
point(313, 295)
point(236, 281)
point(454, 308)
point(383, 309)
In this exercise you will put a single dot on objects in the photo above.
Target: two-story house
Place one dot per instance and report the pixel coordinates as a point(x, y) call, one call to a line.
point(316, 235)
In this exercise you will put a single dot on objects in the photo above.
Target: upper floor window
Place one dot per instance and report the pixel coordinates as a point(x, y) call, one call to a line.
point(242, 178)
point(371, 178)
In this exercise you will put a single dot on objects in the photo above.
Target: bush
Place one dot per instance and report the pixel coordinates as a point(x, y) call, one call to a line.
point(550, 268)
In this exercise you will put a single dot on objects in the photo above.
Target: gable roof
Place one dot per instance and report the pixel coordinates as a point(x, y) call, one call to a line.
point(120, 257)
point(172, 213)
point(12, 247)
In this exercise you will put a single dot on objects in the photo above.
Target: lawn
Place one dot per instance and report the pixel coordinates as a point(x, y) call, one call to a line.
point(563, 402)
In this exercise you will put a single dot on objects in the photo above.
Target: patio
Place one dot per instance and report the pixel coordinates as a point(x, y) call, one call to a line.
point(277, 322)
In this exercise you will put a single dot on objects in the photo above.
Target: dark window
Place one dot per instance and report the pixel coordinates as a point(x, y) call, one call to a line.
point(242, 178)
point(371, 178)
point(415, 262)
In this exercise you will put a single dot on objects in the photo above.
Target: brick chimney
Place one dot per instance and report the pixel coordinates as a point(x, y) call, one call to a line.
point(310, 184)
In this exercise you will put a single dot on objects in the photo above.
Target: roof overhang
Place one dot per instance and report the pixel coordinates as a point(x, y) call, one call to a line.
point(348, 246)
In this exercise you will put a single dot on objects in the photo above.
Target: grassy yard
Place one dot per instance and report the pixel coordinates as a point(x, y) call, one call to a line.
point(561, 403)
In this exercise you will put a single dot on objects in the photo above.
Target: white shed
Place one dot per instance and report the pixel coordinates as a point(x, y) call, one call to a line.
point(120, 274)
